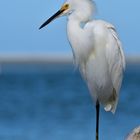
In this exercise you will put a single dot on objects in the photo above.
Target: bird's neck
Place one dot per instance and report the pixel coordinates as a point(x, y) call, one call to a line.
point(76, 21)
point(77, 37)
point(74, 28)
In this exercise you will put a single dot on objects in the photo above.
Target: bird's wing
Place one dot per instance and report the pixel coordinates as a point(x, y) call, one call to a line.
point(108, 60)
point(116, 61)
point(119, 45)
point(115, 57)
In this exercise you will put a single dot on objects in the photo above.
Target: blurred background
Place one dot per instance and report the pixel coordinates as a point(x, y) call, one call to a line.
point(42, 96)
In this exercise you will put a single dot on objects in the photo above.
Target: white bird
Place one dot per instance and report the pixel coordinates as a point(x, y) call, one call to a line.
point(97, 52)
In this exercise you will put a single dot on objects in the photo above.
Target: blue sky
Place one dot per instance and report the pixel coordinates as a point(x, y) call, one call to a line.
point(20, 21)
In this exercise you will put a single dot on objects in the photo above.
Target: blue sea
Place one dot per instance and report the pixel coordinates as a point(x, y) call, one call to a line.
point(51, 102)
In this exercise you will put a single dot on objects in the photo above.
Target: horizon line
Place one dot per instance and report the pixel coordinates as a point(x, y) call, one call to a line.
point(50, 58)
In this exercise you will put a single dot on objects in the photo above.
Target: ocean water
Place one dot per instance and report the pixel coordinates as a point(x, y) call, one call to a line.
point(51, 102)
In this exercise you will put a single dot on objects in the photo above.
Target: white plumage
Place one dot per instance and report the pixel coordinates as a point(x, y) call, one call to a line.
point(97, 52)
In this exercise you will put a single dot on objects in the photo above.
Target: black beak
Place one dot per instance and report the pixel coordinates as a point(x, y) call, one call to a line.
point(51, 18)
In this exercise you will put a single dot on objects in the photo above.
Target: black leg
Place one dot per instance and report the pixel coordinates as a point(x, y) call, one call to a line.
point(97, 119)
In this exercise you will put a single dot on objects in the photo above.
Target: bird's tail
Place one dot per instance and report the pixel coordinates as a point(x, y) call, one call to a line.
point(112, 102)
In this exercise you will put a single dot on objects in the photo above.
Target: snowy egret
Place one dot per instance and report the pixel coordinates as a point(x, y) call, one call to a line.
point(97, 52)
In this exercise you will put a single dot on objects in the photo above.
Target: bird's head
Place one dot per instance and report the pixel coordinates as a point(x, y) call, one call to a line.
point(81, 8)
